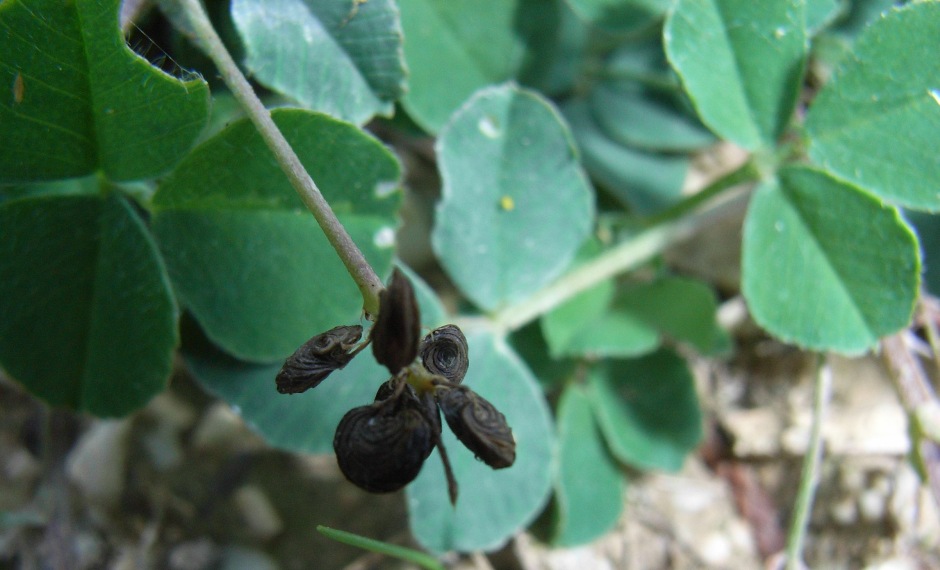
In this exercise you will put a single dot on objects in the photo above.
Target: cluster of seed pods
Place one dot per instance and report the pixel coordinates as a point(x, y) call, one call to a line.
point(382, 446)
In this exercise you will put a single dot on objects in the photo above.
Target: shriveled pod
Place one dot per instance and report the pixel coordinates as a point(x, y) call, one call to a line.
point(478, 425)
point(444, 352)
point(387, 389)
point(426, 400)
point(381, 447)
point(397, 330)
point(317, 358)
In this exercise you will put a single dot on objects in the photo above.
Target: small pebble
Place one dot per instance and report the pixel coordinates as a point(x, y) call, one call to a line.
point(844, 511)
point(872, 505)
point(260, 516)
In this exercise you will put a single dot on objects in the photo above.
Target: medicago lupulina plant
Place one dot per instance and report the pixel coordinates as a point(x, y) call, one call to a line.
point(563, 133)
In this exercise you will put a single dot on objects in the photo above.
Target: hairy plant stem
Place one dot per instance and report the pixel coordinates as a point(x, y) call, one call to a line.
point(209, 41)
point(809, 479)
point(673, 226)
point(928, 314)
point(917, 396)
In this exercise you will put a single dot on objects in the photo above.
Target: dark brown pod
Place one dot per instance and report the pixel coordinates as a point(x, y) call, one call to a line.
point(381, 447)
point(425, 402)
point(397, 330)
point(444, 352)
point(387, 389)
point(478, 425)
point(317, 358)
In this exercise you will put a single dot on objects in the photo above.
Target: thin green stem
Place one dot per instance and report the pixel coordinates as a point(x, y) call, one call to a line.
point(650, 80)
point(809, 479)
point(927, 309)
point(372, 545)
point(359, 269)
point(625, 256)
point(747, 172)
point(917, 396)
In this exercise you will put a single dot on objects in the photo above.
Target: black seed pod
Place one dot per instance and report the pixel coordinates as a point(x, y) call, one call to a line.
point(387, 389)
point(317, 358)
point(410, 398)
point(397, 330)
point(478, 425)
point(444, 352)
point(381, 447)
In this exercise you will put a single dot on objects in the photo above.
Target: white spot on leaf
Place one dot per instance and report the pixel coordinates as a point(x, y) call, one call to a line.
point(384, 238)
point(935, 93)
point(489, 126)
point(383, 189)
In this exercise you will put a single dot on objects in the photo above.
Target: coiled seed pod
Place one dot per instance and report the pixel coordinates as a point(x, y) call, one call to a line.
point(444, 352)
point(397, 330)
point(317, 358)
point(478, 425)
point(425, 402)
point(381, 447)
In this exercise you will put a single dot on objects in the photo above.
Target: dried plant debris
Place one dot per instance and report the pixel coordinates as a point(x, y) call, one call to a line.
point(317, 358)
point(381, 447)
point(478, 425)
point(396, 332)
point(444, 352)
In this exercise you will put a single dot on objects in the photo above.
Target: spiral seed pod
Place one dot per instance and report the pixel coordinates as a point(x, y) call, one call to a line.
point(410, 398)
point(478, 425)
point(317, 358)
point(444, 352)
point(397, 330)
point(381, 447)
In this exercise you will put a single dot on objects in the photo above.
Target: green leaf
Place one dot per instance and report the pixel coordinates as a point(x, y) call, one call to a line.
point(825, 265)
point(603, 322)
point(529, 343)
point(821, 13)
point(557, 47)
point(247, 258)
point(741, 63)
point(647, 409)
point(877, 121)
point(645, 182)
point(78, 99)
point(642, 60)
point(89, 185)
point(640, 104)
point(645, 120)
point(586, 325)
point(861, 13)
point(453, 49)
point(620, 16)
point(303, 423)
point(679, 308)
point(512, 185)
point(339, 57)
point(589, 486)
point(433, 313)
point(87, 318)
point(493, 504)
